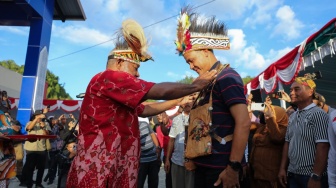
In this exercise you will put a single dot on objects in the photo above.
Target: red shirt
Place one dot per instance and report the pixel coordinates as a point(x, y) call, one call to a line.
point(163, 140)
point(108, 141)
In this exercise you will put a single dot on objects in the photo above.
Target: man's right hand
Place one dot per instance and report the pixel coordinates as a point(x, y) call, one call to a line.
point(167, 166)
point(204, 80)
point(283, 177)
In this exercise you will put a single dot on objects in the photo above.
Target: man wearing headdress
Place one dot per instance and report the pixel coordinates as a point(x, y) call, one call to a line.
point(305, 151)
point(108, 141)
point(197, 37)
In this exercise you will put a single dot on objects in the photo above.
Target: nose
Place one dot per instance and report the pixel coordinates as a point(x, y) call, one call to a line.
point(292, 93)
point(191, 66)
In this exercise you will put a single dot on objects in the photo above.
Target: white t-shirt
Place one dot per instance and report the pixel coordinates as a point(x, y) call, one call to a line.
point(177, 131)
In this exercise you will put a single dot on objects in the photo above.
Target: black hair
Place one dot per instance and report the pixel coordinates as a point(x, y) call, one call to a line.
point(262, 118)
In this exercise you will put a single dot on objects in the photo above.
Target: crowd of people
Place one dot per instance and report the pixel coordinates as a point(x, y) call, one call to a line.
point(122, 140)
point(39, 154)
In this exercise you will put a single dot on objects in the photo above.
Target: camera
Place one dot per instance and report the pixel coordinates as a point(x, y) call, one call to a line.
point(276, 95)
point(258, 106)
point(44, 120)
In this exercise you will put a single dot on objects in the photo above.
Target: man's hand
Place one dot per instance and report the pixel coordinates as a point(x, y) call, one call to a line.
point(185, 100)
point(41, 116)
point(313, 184)
point(269, 111)
point(204, 80)
point(167, 166)
point(285, 96)
point(283, 177)
point(229, 178)
point(46, 110)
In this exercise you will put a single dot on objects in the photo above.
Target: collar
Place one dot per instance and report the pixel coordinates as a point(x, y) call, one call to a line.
point(214, 66)
point(309, 106)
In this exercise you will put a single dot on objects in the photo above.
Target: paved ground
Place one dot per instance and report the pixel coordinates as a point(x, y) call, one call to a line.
point(14, 183)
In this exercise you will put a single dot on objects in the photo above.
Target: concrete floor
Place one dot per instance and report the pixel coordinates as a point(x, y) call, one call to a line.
point(14, 183)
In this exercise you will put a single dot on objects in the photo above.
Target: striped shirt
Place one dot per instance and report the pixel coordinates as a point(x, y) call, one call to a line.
point(228, 91)
point(148, 149)
point(305, 128)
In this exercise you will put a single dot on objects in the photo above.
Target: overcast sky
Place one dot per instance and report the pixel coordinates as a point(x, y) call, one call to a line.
point(261, 31)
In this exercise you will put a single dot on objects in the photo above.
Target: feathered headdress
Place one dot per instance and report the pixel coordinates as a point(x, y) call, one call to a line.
point(131, 43)
point(198, 32)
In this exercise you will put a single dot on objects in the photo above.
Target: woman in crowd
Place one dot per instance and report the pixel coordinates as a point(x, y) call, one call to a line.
point(7, 152)
point(267, 147)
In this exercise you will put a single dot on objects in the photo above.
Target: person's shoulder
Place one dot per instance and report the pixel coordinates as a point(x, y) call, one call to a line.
point(176, 118)
point(228, 73)
point(332, 114)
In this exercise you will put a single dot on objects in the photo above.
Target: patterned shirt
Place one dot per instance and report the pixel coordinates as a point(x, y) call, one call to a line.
point(56, 144)
point(228, 91)
point(108, 142)
point(306, 127)
point(148, 149)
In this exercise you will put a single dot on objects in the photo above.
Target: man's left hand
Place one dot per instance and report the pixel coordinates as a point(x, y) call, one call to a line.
point(229, 178)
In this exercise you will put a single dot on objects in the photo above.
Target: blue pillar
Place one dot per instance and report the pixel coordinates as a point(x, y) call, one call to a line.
point(33, 80)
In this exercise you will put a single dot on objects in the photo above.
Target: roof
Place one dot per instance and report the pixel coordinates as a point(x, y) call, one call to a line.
point(16, 13)
point(68, 10)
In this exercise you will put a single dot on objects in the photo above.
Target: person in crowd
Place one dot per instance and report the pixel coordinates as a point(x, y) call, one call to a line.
point(162, 132)
point(36, 153)
point(181, 178)
point(68, 155)
point(18, 147)
point(56, 146)
point(112, 103)
point(320, 101)
point(197, 37)
point(306, 147)
point(67, 133)
point(332, 151)
point(150, 161)
point(267, 145)
point(62, 121)
point(7, 152)
point(5, 101)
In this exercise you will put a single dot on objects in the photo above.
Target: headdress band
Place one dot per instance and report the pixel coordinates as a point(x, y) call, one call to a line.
point(195, 32)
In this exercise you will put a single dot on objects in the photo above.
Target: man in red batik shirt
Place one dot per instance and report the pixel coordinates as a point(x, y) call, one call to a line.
point(108, 141)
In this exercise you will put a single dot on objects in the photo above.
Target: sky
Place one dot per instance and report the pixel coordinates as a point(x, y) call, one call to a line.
point(260, 32)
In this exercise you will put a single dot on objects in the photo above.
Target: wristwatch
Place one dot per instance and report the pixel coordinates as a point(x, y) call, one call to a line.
point(315, 177)
point(235, 165)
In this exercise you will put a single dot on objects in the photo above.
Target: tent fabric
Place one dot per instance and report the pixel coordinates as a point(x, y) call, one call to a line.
point(284, 70)
point(65, 105)
point(70, 106)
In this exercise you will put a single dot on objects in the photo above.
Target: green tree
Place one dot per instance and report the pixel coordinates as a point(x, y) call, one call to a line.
point(55, 89)
point(186, 80)
point(247, 79)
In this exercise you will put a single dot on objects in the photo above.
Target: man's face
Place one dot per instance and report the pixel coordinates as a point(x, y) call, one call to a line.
point(300, 93)
point(198, 60)
point(130, 68)
point(54, 122)
point(63, 121)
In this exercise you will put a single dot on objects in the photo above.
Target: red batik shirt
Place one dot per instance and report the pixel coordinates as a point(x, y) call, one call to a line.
point(108, 141)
